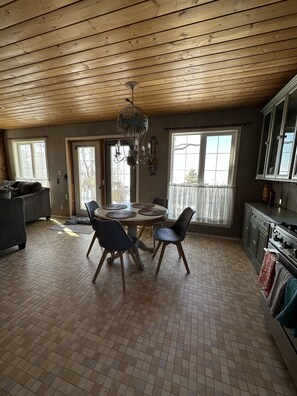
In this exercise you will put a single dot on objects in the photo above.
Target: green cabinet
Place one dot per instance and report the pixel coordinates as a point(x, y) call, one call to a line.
point(255, 234)
point(277, 155)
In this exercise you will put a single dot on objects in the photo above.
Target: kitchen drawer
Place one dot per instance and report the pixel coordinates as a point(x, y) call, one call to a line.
point(261, 221)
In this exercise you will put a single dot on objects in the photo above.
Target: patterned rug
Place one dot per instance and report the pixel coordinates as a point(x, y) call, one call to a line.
point(77, 228)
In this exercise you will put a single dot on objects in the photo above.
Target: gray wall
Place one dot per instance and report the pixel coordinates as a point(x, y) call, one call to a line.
point(247, 188)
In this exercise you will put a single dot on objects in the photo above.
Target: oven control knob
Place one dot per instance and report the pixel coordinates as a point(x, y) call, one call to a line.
point(295, 253)
point(286, 245)
point(277, 239)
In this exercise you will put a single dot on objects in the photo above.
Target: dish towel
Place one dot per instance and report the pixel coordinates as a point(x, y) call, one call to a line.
point(275, 299)
point(267, 272)
point(288, 315)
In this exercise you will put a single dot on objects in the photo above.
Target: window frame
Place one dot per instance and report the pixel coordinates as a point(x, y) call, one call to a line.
point(235, 132)
point(16, 143)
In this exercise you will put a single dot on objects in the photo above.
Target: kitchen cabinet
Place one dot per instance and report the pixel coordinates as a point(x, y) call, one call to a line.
point(255, 234)
point(246, 228)
point(277, 155)
point(256, 228)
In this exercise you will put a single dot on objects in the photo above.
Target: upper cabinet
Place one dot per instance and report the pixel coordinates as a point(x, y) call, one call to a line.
point(277, 155)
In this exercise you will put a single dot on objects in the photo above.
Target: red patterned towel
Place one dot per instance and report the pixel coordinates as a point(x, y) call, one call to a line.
point(267, 272)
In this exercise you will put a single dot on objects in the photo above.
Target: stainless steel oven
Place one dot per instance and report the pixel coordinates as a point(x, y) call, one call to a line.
point(283, 242)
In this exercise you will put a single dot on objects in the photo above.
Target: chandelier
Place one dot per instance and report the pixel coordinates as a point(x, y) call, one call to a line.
point(132, 123)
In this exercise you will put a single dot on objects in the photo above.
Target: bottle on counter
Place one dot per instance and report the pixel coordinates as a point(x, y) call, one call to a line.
point(271, 198)
point(265, 195)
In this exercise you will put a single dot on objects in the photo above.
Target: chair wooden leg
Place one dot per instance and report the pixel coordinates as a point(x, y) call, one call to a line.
point(91, 244)
point(100, 264)
point(141, 231)
point(155, 252)
point(182, 255)
point(123, 271)
point(161, 257)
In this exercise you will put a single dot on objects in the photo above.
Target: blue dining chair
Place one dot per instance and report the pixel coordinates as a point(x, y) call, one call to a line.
point(113, 238)
point(91, 207)
point(174, 234)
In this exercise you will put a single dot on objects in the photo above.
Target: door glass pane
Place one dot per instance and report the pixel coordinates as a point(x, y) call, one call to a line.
point(275, 138)
point(264, 142)
point(120, 178)
point(288, 138)
point(87, 174)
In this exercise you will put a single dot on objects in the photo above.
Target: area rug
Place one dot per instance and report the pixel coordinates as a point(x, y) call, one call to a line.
point(77, 228)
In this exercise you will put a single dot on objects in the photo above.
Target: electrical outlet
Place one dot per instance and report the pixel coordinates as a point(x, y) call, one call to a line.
point(61, 207)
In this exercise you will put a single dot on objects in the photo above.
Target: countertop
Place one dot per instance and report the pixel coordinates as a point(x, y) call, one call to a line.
point(276, 214)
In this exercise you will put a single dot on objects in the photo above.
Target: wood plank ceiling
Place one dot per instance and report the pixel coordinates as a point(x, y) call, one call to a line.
point(67, 61)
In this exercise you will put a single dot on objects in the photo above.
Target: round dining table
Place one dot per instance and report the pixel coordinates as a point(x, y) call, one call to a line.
point(132, 215)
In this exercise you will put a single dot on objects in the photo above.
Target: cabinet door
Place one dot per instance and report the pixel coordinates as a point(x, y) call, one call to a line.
point(287, 139)
point(254, 239)
point(274, 139)
point(292, 114)
point(262, 243)
point(264, 145)
point(246, 227)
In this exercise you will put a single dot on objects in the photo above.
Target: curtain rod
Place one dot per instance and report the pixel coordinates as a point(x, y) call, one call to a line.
point(211, 126)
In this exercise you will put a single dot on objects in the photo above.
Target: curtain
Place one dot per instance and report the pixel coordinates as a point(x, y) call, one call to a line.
point(213, 204)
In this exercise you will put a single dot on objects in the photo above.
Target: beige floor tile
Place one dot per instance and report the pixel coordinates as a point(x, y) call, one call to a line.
point(174, 334)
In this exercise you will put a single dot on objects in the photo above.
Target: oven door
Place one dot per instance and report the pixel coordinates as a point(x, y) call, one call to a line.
point(289, 263)
point(291, 268)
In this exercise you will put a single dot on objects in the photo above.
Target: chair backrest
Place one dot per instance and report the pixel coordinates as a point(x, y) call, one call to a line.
point(91, 207)
point(111, 235)
point(181, 224)
point(161, 201)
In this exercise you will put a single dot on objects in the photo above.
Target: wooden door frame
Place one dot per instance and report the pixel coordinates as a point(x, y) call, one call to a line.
point(70, 170)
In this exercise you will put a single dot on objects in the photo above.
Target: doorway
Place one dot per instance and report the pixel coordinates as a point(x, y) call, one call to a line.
point(96, 175)
point(120, 178)
point(87, 174)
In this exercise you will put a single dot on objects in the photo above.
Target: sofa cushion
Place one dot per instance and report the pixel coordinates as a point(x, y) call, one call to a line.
point(25, 188)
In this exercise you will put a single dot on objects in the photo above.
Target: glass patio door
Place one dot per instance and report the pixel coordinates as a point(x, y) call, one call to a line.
point(87, 174)
point(120, 183)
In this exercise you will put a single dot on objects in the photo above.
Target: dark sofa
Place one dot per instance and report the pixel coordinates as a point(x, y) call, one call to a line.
point(20, 203)
point(36, 198)
point(12, 223)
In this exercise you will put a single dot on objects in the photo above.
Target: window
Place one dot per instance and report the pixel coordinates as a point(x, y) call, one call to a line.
point(31, 161)
point(202, 174)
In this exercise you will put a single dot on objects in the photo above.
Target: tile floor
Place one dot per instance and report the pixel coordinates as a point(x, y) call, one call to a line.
point(174, 334)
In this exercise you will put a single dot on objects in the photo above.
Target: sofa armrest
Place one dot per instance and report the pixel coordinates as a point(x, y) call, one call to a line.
point(12, 223)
